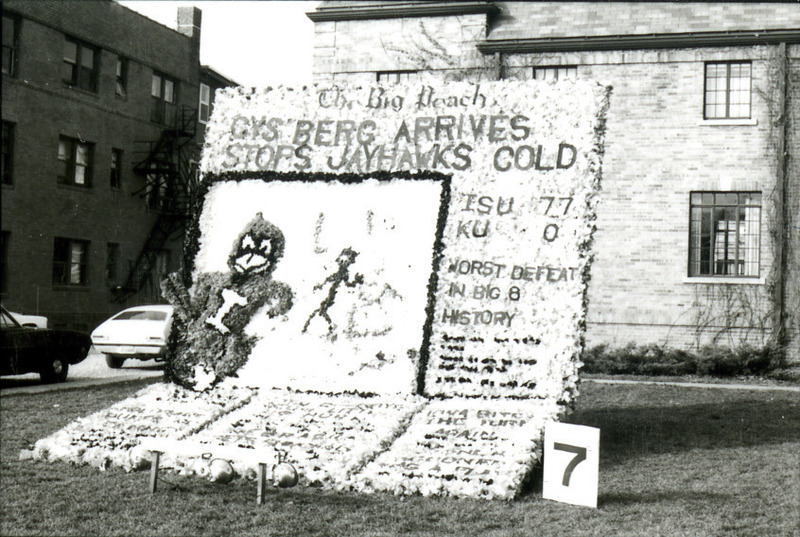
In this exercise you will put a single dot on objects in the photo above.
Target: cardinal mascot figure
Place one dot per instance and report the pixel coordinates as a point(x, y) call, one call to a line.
point(209, 343)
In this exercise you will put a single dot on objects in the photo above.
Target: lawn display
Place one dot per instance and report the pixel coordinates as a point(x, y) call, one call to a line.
point(396, 275)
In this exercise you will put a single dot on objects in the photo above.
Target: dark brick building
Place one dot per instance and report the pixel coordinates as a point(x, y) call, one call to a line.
point(698, 237)
point(102, 114)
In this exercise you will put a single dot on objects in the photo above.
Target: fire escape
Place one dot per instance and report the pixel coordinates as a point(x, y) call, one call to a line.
point(170, 179)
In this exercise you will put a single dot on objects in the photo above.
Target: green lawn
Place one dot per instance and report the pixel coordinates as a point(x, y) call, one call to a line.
point(673, 461)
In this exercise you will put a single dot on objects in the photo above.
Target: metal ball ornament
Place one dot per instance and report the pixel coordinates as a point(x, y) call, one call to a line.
point(220, 471)
point(139, 458)
point(284, 475)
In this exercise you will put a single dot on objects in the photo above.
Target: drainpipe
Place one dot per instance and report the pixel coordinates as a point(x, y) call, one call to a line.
point(781, 213)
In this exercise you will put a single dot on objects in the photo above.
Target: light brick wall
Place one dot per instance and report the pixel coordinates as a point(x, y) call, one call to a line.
point(356, 50)
point(658, 150)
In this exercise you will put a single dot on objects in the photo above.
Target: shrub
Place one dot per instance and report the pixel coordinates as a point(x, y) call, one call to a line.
point(745, 360)
point(656, 360)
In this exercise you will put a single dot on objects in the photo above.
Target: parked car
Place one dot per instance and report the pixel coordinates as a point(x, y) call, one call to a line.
point(32, 321)
point(140, 332)
point(44, 351)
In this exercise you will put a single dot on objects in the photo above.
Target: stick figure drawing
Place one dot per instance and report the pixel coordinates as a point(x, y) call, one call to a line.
point(342, 276)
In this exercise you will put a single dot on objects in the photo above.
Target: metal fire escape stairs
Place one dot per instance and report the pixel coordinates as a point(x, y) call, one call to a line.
point(169, 168)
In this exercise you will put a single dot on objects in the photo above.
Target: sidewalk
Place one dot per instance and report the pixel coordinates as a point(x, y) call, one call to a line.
point(93, 371)
point(754, 387)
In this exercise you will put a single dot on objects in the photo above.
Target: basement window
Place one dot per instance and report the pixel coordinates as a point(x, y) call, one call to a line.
point(396, 77)
point(555, 72)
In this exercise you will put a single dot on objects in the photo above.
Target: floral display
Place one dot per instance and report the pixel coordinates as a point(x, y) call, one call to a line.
point(385, 285)
point(481, 448)
point(109, 437)
point(325, 438)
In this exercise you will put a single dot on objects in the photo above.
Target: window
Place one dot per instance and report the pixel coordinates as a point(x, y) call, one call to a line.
point(112, 262)
point(163, 265)
point(205, 103)
point(75, 158)
point(115, 179)
point(163, 92)
point(4, 262)
point(80, 64)
point(7, 159)
point(10, 45)
point(727, 90)
point(396, 77)
point(69, 261)
point(121, 85)
point(724, 234)
point(555, 72)
point(158, 190)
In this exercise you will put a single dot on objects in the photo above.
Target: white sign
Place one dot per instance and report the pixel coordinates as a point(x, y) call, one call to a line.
point(358, 257)
point(525, 159)
point(571, 463)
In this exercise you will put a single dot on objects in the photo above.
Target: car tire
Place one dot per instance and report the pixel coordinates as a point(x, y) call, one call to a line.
point(55, 370)
point(114, 361)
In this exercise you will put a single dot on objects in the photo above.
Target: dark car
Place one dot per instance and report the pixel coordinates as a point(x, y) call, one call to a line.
point(44, 351)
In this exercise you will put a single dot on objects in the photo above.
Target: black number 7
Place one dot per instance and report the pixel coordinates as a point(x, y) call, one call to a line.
point(580, 456)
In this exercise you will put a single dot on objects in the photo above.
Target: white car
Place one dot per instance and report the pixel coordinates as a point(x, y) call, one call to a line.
point(30, 321)
point(140, 332)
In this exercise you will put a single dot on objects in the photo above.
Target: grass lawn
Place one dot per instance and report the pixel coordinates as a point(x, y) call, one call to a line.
point(673, 461)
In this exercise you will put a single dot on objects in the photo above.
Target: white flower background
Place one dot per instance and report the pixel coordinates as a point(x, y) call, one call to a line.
point(319, 220)
point(495, 385)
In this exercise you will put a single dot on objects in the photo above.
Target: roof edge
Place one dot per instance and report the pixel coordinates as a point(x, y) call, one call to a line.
point(401, 10)
point(210, 71)
point(645, 41)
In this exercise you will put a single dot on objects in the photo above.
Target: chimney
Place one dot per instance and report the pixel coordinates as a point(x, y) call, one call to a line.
point(189, 20)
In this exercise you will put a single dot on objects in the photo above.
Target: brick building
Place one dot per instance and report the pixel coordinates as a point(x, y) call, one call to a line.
point(103, 113)
point(698, 236)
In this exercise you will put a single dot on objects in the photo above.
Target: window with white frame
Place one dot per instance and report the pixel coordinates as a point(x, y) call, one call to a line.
point(727, 90)
point(725, 234)
point(75, 162)
point(555, 72)
point(205, 103)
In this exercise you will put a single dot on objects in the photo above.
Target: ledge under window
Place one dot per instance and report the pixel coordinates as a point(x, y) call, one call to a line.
point(725, 280)
point(728, 122)
point(81, 287)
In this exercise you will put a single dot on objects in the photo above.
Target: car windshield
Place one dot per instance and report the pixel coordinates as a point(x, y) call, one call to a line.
point(141, 315)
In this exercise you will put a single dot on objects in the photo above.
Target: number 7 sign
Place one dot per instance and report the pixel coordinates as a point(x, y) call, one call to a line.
point(571, 463)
